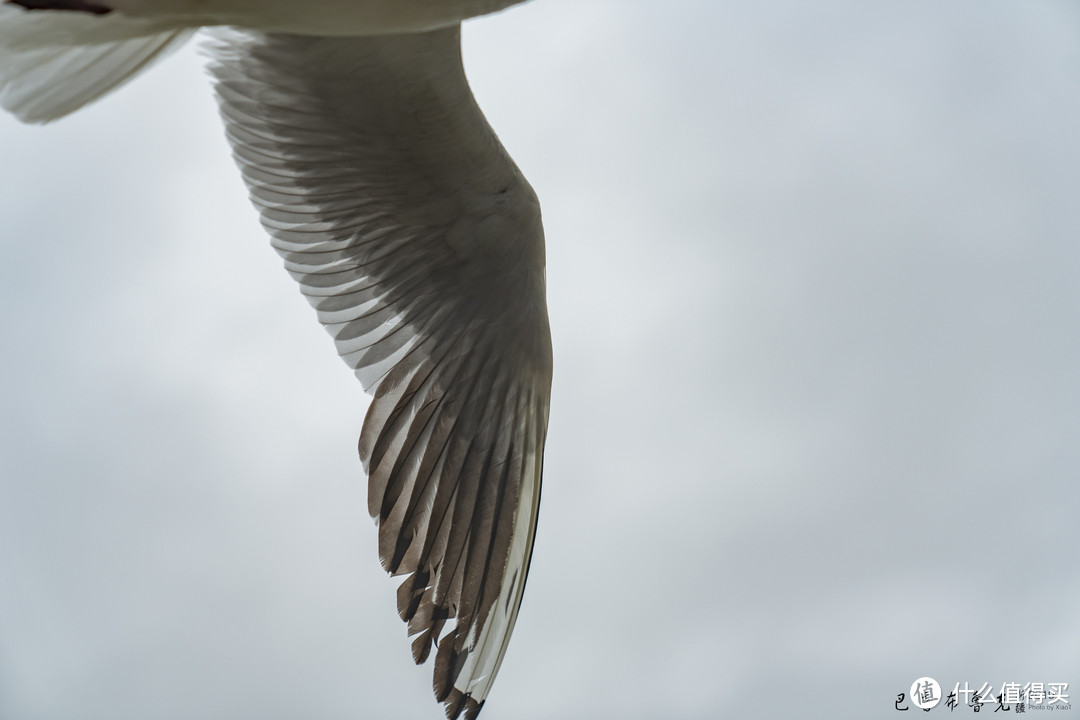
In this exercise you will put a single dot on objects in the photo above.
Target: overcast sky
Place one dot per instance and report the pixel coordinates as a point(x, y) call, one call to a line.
point(814, 280)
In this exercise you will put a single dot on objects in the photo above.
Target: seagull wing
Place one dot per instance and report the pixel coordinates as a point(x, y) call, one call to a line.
point(419, 243)
point(53, 63)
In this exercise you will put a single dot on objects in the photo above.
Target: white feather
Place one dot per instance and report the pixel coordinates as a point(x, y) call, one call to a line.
point(52, 64)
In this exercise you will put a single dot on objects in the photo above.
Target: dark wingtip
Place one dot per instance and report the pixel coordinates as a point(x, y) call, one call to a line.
point(454, 704)
point(72, 5)
point(458, 701)
point(410, 593)
point(473, 708)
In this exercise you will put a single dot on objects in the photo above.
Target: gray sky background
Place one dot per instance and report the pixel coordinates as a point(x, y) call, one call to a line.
point(814, 279)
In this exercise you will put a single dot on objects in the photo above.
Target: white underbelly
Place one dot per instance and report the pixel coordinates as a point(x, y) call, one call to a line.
point(313, 17)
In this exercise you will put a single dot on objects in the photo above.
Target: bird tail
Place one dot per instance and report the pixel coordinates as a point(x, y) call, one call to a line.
point(54, 62)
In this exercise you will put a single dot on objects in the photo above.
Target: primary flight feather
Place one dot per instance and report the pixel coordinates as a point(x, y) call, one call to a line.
point(413, 235)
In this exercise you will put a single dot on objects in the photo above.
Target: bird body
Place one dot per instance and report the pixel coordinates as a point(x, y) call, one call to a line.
point(413, 235)
point(314, 17)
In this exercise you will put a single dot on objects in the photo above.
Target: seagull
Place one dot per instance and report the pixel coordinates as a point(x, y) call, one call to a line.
point(411, 232)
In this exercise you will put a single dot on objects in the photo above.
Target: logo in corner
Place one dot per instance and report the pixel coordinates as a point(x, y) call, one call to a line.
point(925, 693)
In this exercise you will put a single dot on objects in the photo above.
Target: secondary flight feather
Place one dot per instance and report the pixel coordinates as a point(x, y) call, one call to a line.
point(413, 235)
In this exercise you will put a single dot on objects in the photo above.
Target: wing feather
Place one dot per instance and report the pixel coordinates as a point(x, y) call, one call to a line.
point(418, 242)
point(53, 63)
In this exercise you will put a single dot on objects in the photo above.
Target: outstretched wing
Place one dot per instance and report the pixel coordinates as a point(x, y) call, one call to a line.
point(419, 244)
point(53, 63)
